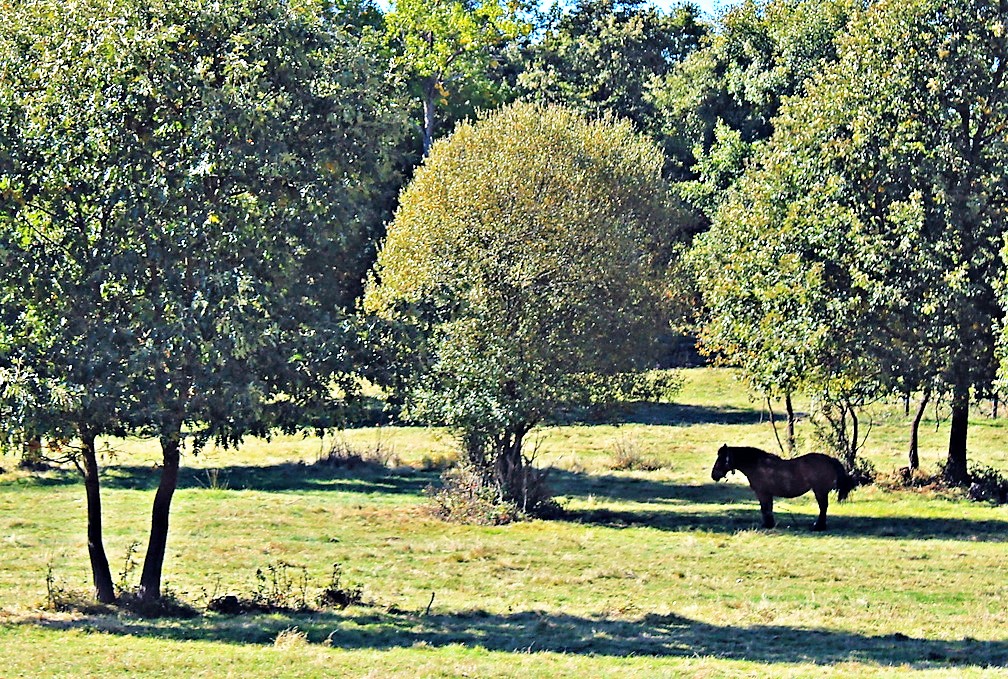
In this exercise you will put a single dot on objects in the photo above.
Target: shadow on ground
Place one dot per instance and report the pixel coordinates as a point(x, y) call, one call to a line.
point(670, 414)
point(285, 477)
point(651, 635)
point(702, 507)
point(717, 508)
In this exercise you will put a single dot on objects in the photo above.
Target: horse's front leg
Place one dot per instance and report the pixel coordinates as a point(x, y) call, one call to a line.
point(822, 497)
point(766, 509)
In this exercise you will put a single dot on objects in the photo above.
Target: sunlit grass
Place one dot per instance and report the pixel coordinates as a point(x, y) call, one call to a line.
point(652, 573)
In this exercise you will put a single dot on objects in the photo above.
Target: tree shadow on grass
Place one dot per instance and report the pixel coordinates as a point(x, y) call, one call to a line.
point(652, 635)
point(731, 507)
point(671, 414)
point(285, 477)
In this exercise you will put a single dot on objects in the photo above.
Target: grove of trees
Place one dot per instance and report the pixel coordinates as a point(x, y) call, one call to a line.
point(194, 198)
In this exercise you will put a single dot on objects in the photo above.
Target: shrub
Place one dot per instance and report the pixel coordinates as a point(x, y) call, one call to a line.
point(987, 484)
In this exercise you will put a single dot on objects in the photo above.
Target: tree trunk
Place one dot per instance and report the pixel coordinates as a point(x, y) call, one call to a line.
point(101, 575)
point(852, 455)
point(428, 114)
point(773, 423)
point(150, 578)
point(955, 469)
point(790, 423)
point(512, 478)
point(914, 457)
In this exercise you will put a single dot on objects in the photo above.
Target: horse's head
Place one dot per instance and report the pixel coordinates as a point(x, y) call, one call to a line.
point(723, 464)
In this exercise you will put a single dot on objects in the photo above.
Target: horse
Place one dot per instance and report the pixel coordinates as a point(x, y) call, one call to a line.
point(772, 476)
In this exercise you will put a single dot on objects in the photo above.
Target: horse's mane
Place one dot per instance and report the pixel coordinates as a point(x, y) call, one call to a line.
point(744, 454)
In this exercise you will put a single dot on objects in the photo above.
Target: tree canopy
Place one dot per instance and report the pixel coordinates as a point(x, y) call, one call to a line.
point(865, 246)
point(527, 251)
point(184, 195)
point(449, 50)
point(607, 56)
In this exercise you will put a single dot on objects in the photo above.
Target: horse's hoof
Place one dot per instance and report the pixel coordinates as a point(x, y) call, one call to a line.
point(818, 528)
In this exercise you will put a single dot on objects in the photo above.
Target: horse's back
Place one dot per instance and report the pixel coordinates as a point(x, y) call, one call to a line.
point(819, 469)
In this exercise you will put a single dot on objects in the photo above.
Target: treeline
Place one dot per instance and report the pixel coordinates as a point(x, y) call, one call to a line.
point(193, 197)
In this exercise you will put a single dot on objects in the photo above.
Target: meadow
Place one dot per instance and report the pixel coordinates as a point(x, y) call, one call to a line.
point(653, 570)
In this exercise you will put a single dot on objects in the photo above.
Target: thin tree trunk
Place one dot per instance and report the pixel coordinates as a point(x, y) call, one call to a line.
point(790, 423)
point(101, 575)
point(428, 113)
point(852, 455)
point(150, 578)
point(955, 469)
point(773, 423)
point(914, 457)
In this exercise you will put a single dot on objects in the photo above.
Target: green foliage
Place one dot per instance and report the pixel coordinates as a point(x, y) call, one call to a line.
point(149, 242)
point(450, 49)
point(858, 256)
point(527, 255)
point(721, 100)
point(987, 484)
point(604, 57)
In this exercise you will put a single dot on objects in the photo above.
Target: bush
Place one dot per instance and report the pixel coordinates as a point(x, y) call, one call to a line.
point(465, 497)
point(627, 456)
point(987, 485)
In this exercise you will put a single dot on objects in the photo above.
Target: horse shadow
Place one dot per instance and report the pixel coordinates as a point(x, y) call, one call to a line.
point(730, 507)
point(652, 635)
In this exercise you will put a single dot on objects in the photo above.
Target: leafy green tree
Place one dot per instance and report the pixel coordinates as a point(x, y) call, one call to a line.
point(450, 48)
point(184, 191)
point(526, 257)
point(882, 184)
point(605, 56)
point(722, 98)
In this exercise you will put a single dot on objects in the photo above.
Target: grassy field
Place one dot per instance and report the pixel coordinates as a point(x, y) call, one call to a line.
point(650, 573)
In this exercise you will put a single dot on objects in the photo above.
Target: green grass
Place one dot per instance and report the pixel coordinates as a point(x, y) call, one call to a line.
point(652, 573)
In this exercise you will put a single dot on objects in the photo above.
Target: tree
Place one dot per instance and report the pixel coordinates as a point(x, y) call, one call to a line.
point(605, 56)
point(721, 100)
point(448, 48)
point(888, 174)
point(525, 257)
point(185, 190)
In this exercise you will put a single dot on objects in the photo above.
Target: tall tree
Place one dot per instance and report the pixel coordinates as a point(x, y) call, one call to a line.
point(606, 56)
point(192, 243)
point(449, 48)
point(525, 255)
point(886, 177)
point(722, 98)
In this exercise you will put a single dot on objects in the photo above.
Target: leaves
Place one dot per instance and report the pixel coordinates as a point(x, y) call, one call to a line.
point(191, 189)
point(526, 251)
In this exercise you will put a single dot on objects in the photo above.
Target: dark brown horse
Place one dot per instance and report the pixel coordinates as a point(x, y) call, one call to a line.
point(771, 476)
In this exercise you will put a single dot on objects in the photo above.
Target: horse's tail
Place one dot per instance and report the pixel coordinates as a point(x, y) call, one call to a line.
point(844, 482)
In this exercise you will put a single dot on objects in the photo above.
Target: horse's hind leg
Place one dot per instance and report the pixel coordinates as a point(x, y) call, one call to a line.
point(822, 497)
point(766, 509)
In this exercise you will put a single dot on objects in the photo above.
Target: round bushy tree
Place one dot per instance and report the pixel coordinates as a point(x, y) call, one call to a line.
point(527, 257)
